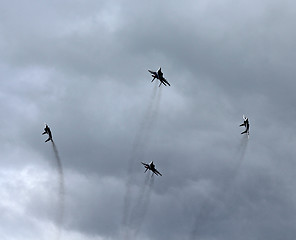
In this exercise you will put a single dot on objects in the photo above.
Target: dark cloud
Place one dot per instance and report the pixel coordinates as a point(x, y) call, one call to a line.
point(82, 68)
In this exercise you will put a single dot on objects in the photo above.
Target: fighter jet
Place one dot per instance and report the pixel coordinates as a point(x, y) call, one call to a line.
point(246, 124)
point(152, 168)
point(47, 131)
point(159, 76)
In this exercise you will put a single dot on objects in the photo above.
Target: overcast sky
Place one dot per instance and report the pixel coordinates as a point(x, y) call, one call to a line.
point(81, 67)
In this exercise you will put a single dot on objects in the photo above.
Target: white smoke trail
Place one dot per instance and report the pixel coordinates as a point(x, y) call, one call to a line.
point(61, 193)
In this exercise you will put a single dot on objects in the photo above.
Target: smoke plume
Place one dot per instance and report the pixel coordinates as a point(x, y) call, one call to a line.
point(61, 191)
point(139, 149)
point(209, 210)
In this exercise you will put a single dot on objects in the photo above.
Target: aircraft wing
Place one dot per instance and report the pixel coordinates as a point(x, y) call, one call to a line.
point(154, 73)
point(145, 164)
point(246, 131)
point(157, 173)
point(166, 82)
point(163, 81)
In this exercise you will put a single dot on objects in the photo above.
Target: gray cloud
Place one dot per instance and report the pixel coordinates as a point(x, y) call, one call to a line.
point(82, 68)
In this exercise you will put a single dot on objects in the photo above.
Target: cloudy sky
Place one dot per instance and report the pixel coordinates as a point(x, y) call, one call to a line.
point(81, 67)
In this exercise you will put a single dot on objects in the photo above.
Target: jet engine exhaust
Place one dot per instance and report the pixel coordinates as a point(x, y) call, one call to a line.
point(144, 206)
point(240, 154)
point(61, 193)
point(139, 149)
point(209, 210)
point(138, 213)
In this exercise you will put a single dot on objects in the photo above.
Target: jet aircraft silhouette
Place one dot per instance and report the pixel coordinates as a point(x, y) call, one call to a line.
point(246, 124)
point(47, 131)
point(159, 75)
point(152, 168)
